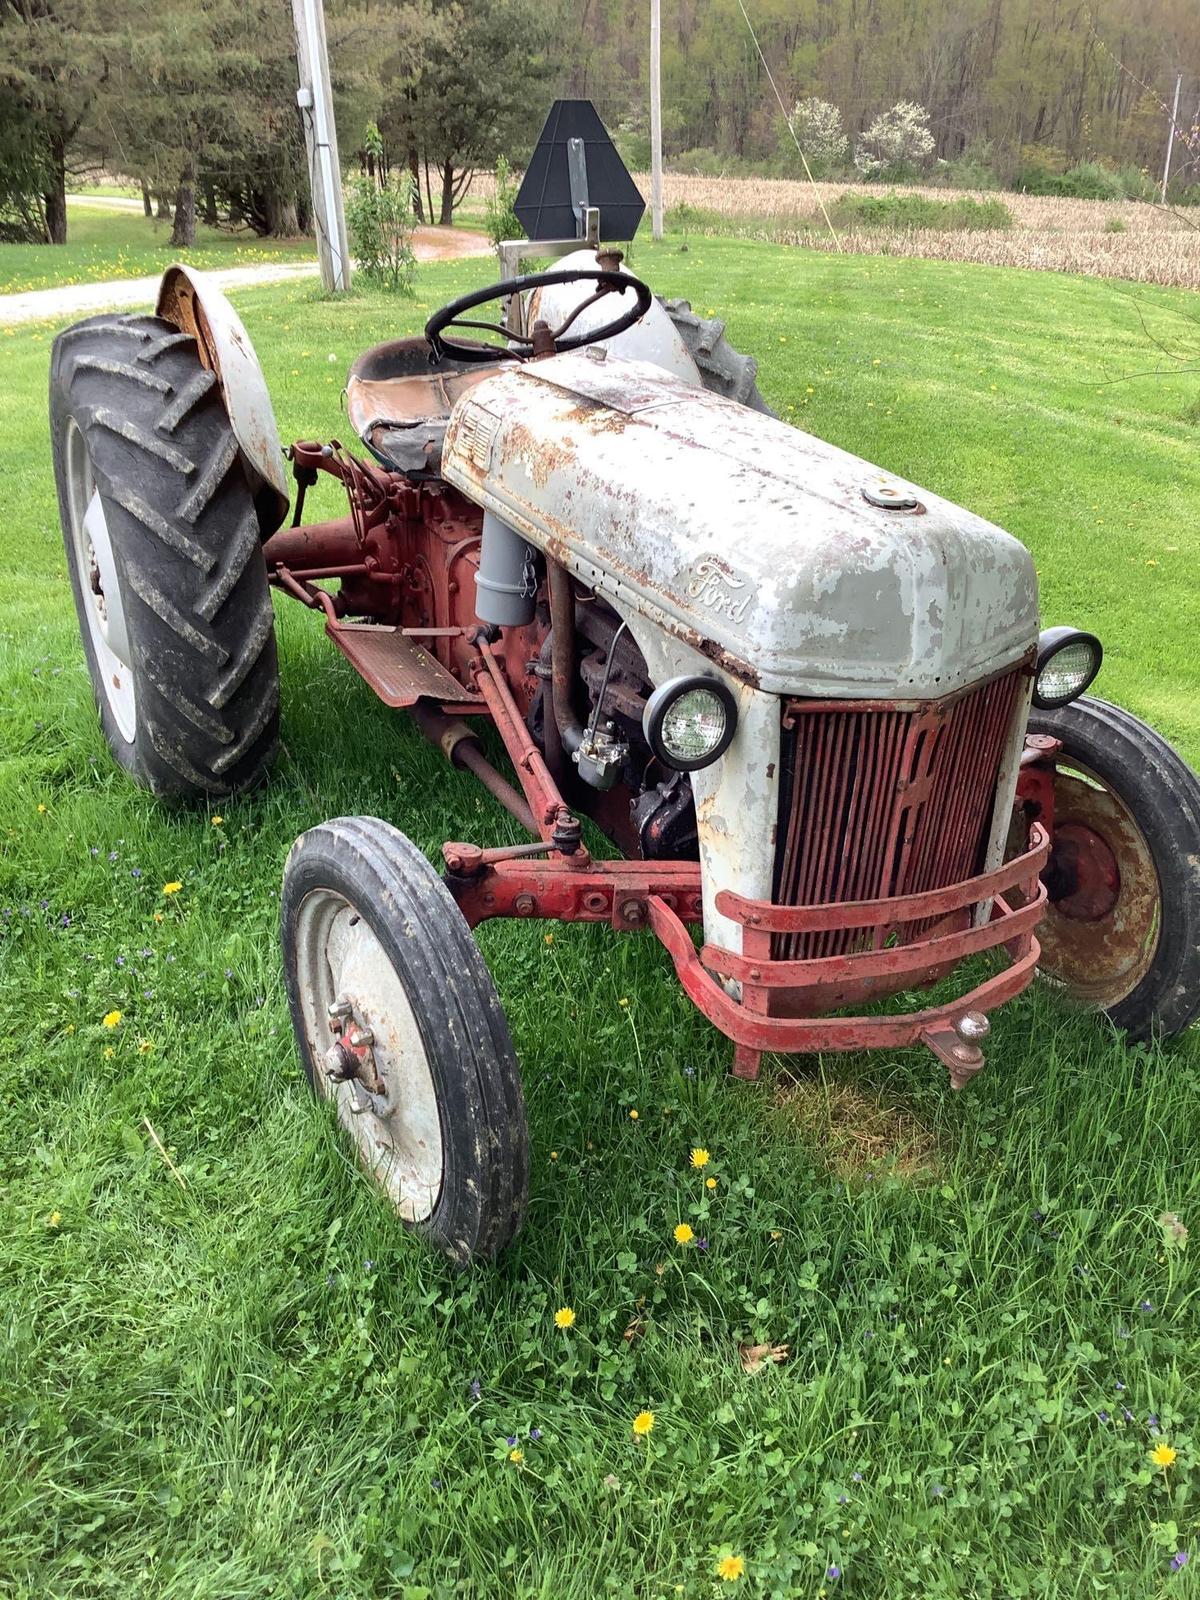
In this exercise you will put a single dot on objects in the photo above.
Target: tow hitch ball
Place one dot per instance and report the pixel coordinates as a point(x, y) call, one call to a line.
point(350, 1056)
point(957, 1045)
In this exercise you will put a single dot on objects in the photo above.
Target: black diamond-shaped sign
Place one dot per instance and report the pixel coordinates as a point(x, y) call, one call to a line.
point(546, 207)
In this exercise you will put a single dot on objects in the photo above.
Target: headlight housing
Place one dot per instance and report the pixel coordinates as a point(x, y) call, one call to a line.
point(1067, 662)
point(690, 722)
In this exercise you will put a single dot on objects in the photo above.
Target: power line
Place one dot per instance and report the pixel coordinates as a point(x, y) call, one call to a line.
point(837, 243)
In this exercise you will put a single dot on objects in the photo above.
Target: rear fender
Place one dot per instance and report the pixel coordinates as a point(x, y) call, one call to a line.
point(193, 303)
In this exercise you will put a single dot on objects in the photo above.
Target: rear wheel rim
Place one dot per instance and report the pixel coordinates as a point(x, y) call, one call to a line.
point(1099, 938)
point(99, 587)
point(397, 1136)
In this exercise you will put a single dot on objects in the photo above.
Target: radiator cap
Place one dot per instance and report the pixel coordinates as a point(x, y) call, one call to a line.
point(889, 496)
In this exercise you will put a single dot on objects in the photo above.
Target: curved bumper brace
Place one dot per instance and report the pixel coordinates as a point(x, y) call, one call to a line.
point(753, 1030)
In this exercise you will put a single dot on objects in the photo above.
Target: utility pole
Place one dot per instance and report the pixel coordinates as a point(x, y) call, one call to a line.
point(656, 214)
point(315, 100)
point(1171, 138)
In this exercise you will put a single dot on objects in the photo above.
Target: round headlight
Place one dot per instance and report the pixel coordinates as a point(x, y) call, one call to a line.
point(689, 722)
point(1067, 661)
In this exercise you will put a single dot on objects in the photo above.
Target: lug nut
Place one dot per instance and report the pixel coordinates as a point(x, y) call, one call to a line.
point(524, 905)
point(361, 1038)
point(340, 1009)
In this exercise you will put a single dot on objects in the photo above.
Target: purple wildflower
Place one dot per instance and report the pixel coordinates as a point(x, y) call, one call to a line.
point(369, 1265)
point(511, 1441)
point(135, 872)
point(435, 1483)
point(1120, 1387)
point(1179, 1560)
point(535, 1434)
point(1038, 1216)
point(94, 850)
point(229, 974)
point(843, 1499)
point(112, 855)
point(937, 1490)
point(1126, 1414)
point(45, 904)
point(145, 954)
point(701, 1244)
point(857, 1477)
point(475, 1389)
point(65, 920)
point(1146, 1305)
point(833, 1573)
point(1103, 1416)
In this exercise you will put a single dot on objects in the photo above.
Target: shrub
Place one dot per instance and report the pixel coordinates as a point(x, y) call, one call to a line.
point(1086, 180)
point(818, 126)
point(897, 144)
point(501, 220)
point(1114, 225)
point(912, 211)
point(972, 168)
point(380, 222)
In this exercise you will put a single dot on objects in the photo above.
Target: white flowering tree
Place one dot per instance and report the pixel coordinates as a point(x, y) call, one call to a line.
point(818, 126)
point(897, 142)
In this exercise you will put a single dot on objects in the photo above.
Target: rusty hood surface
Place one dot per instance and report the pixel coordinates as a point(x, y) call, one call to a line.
point(742, 536)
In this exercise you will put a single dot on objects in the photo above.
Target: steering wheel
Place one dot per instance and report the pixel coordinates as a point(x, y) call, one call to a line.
point(451, 315)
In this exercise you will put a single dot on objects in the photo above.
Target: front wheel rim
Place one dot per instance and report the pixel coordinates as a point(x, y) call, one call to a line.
point(397, 1135)
point(1103, 941)
point(99, 587)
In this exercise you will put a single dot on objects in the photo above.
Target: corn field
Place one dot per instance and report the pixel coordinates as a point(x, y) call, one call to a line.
point(1100, 238)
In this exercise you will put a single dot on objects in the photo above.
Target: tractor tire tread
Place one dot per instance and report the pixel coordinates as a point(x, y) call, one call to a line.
point(182, 523)
point(454, 999)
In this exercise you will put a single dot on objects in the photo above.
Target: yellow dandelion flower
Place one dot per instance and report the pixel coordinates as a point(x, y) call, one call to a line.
point(217, 821)
point(112, 1019)
point(145, 1046)
point(642, 1423)
point(710, 1183)
point(41, 811)
point(173, 887)
point(622, 1001)
point(683, 1233)
point(633, 1116)
point(564, 1317)
point(109, 1052)
point(1163, 1455)
point(70, 1027)
point(554, 1155)
point(549, 938)
point(158, 916)
point(53, 1220)
point(516, 1457)
point(730, 1568)
point(700, 1157)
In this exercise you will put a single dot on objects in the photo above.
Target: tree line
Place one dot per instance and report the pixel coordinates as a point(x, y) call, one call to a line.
point(197, 102)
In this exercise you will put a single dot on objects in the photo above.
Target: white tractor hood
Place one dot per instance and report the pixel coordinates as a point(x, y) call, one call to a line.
point(745, 538)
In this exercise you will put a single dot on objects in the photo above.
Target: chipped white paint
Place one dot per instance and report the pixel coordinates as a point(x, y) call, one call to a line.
point(620, 467)
point(192, 301)
point(652, 338)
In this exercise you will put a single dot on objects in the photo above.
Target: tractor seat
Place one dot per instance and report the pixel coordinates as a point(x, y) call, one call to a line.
point(399, 402)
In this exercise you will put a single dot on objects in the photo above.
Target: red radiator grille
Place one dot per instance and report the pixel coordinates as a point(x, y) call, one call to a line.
point(876, 802)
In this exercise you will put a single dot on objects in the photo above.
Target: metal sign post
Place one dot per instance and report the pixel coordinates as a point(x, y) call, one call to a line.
point(320, 137)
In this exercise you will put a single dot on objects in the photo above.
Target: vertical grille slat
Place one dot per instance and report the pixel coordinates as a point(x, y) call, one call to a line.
point(877, 801)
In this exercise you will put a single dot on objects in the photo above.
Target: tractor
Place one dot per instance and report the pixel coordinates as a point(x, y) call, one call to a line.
point(809, 702)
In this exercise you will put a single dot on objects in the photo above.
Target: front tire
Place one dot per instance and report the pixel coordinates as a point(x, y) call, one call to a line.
point(165, 558)
point(1122, 930)
point(376, 951)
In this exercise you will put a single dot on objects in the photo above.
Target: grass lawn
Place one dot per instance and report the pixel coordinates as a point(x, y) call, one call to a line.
point(258, 1385)
point(104, 243)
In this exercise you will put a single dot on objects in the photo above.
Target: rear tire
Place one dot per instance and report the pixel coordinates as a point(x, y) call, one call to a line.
point(366, 923)
point(723, 370)
point(165, 558)
point(1122, 930)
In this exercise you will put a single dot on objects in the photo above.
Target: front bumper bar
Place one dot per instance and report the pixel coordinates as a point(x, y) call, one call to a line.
point(666, 897)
